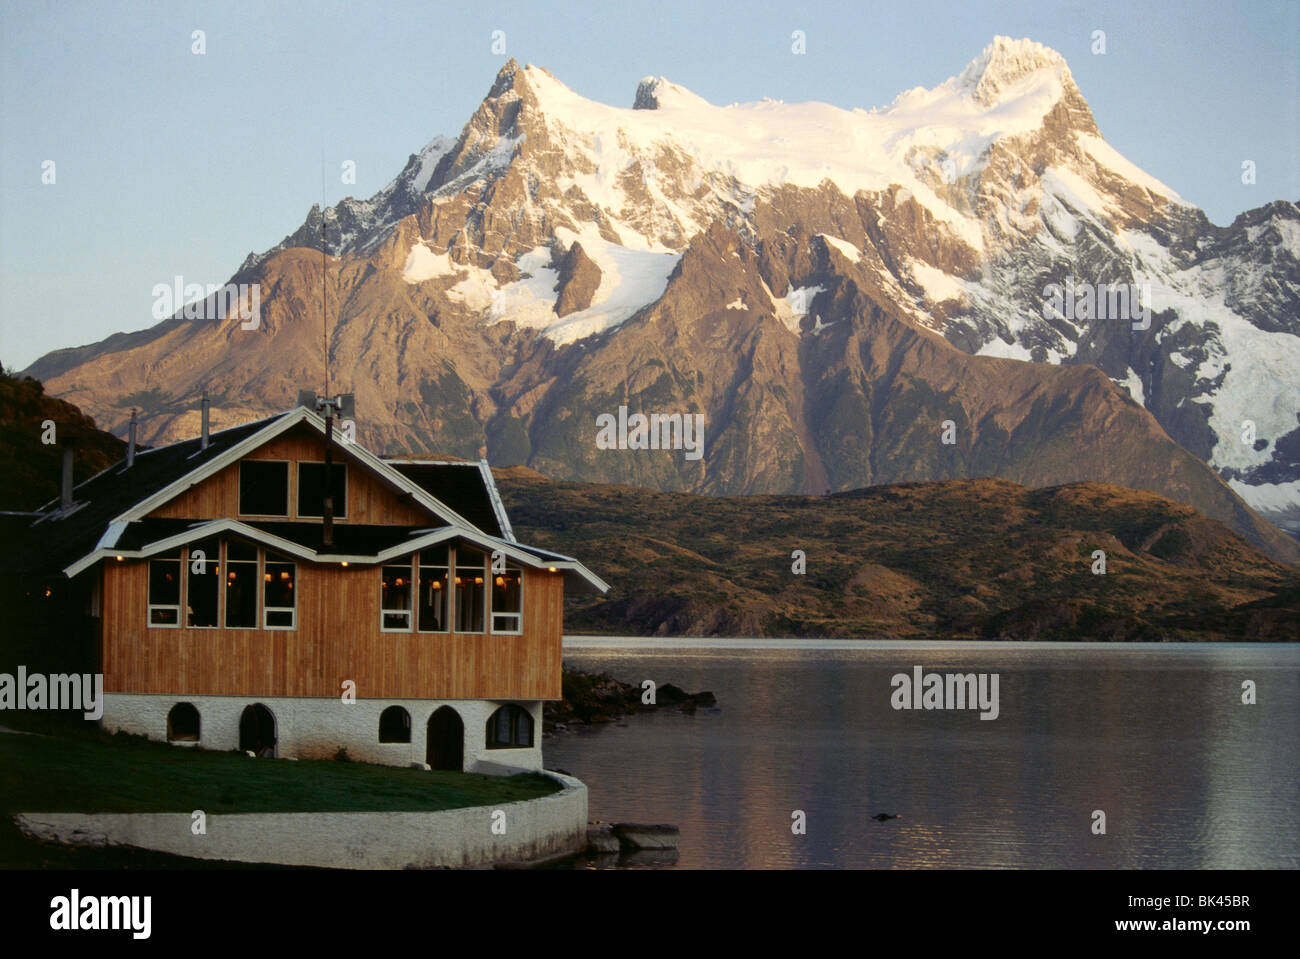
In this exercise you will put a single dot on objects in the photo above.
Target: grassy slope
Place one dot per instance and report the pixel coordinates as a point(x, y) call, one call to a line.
point(29, 468)
point(126, 774)
point(973, 559)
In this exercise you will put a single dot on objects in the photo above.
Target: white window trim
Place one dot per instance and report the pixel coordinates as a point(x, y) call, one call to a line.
point(257, 588)
point(288, 491)
point(180, 593)
point(409, 612)
point(175, 625)
point(292, 610)
point(298, 500)
point(454, 558)
point(451, 595)
point(493, 614)
point(221, 592)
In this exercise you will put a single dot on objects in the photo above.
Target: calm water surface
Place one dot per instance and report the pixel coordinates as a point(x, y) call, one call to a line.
point(1155, 736)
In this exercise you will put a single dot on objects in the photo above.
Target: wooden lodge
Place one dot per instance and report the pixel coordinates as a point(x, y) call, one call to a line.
point(230, 607)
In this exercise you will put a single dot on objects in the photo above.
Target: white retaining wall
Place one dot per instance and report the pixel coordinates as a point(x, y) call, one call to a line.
point(314, 728)
point(553, 825)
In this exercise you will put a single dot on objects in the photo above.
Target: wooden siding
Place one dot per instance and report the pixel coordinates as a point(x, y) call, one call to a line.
point(337, 638)
point(369, 499)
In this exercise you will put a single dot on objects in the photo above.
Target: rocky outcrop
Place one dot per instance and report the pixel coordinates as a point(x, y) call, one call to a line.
point(591, 698)
point(578, 282)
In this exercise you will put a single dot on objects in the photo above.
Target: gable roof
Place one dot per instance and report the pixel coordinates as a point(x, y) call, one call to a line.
point(110, 511)
point(277, 426)
point(361, 545)
point(55, 538)
point(464, 485)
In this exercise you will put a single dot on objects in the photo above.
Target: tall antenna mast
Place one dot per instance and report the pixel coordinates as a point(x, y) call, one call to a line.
point(324, 272)
point(326, 405)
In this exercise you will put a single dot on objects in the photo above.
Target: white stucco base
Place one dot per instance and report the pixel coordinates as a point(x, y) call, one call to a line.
point(553, 825)
point(315, 728)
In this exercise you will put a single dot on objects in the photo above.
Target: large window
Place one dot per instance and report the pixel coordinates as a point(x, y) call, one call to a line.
point(507, 600)
point(165, 590)
point(241, 585)
point(278, 606)
point(510, 727)
point(435, 564)
point(311, 489)
point(186, 587)
point(263, 488)
point(471, 590)
point(450, 590)
point(203, 584)
point(395, 607)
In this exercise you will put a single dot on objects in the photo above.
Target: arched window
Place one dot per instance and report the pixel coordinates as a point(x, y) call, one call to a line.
point(394, 725)
point(510, 727)
point(183, 724)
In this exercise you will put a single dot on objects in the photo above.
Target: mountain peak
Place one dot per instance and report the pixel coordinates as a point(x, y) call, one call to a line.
point(653, 93)
point(646, 93)
point(505, 78)
point(1004, 63)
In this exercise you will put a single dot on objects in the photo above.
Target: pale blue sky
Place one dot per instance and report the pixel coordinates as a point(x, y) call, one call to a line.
point(171, 163)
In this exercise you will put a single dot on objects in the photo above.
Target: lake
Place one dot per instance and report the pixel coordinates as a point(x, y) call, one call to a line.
point(1154, 736)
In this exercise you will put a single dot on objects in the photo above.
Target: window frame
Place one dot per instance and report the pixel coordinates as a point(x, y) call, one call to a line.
point(493, 614)
point(289, 505)
point(265, 561)
point(449, 598)
point(298, 490)
point(220, 582)
point(485, 601)
point(409, 612)
point(514, 710)
point(150, 605)
point(256, 563)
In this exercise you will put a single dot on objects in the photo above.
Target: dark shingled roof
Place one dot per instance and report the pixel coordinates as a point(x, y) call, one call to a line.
point(460, 486)
point(54, 542)
point(47, 542)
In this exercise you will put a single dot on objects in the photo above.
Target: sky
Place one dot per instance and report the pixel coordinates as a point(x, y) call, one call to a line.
point(169, 162)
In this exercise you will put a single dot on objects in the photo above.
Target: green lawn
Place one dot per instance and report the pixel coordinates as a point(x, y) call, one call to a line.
point(127, 774)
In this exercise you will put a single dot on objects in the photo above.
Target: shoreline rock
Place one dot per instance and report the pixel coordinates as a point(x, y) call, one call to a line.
point(600, 698)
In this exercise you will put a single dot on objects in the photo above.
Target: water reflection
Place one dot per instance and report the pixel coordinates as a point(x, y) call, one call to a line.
point(1156, 738)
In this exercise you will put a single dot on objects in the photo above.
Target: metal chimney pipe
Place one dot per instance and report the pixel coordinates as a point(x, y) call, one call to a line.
point(65, 492)
point(203, 441)
point(130, 443)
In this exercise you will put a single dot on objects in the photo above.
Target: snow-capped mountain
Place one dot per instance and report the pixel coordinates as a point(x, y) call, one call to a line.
point(826, 285)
